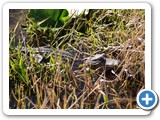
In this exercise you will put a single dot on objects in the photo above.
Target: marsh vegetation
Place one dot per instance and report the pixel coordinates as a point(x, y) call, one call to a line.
point(48, 67)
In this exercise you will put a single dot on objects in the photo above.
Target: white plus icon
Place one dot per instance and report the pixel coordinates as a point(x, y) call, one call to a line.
point(147, 99)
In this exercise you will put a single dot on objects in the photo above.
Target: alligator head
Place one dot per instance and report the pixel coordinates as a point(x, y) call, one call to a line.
point(100, 60)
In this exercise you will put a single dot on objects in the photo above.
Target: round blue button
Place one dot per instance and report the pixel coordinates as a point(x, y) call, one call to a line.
point(147, 99)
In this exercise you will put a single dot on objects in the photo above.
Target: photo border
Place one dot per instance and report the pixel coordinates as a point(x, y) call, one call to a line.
point(104, 5)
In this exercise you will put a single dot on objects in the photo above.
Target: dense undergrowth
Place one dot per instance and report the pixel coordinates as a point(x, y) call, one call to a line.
point(66, 82)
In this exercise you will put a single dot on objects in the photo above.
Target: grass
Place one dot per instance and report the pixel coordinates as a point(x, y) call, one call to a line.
point(67, 83)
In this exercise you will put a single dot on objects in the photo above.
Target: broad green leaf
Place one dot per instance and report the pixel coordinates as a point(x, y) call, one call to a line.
point(49, 17)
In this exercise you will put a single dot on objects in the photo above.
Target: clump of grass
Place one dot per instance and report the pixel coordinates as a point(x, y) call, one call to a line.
point(66, 83)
